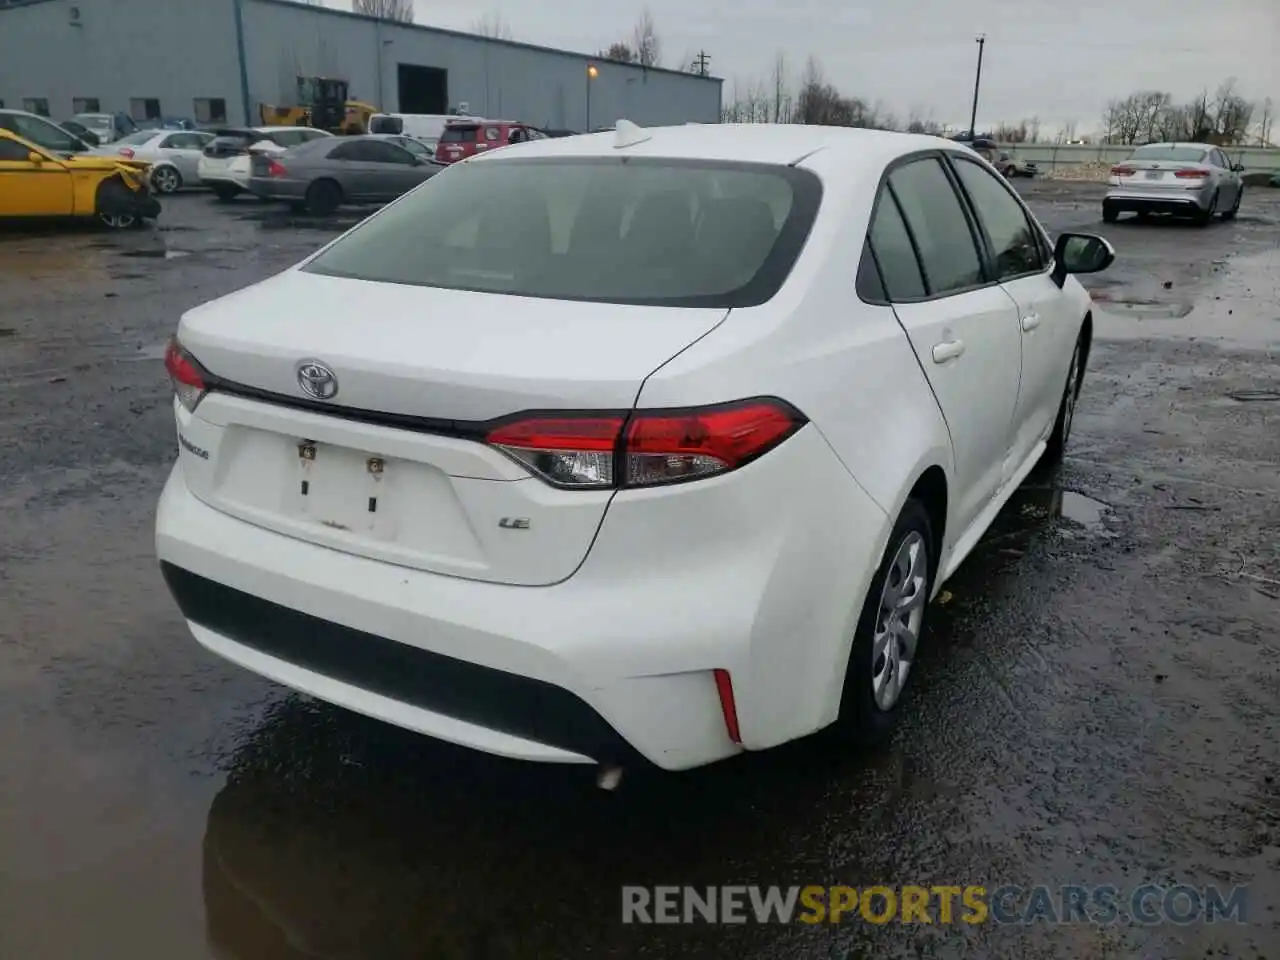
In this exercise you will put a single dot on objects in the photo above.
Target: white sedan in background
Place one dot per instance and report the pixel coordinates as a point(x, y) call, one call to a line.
point(651, 444)
point(174, 155)
point(225, 166)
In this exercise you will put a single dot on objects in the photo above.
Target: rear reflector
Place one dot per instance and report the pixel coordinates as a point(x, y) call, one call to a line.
point(126, 152)
point(187, 376)
point(648, 448)
point(275, 169)
point(724, 687)
point(1191, 174)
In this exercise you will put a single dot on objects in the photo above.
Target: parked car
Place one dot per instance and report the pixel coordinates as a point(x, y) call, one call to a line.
point(466, 138)
point(43, 183)
point(80, 130)
point(321, 175)
point(174, 155)
point(1185, 179)
point(1012, 166)
point(419, 148)
point(224, 168)
point(42, 132)
point(580, 461)
point(108, 127)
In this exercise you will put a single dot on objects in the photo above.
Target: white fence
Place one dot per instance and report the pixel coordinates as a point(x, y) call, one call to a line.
point(1052, 157)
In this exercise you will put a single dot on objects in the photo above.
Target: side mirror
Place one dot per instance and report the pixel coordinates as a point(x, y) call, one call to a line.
point(1080, 253)
point(35, 158)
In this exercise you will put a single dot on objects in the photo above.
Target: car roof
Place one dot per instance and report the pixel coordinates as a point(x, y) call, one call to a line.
point(744, 142)
point(1178, 143)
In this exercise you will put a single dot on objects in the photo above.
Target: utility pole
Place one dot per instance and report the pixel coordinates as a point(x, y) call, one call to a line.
point(977, 83)
point(701, 62)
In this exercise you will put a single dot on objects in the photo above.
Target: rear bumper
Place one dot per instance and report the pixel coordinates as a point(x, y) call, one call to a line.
point(275, 188)
point(616, 661)
point(1159, 201)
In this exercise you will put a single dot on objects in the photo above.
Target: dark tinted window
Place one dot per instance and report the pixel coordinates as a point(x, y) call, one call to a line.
point(380, 151)
point(1014, 241)
point(12, 150)
point(44, 133)
point(386, 125)
point(938, 225)
point(459, 135)
point(895, 256)
point(869, 286)
point(1160, 152)
point(347, 151)
point(639, 230)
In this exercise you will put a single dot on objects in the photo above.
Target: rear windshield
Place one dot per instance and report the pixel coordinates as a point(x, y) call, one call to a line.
point(232, 140)
point(386, 125)
point(142, 136)
point(459, 134)
point(610, 230)
point(1173, 154)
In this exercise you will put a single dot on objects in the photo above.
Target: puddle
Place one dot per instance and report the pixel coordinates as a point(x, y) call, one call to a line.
point(1240, 307)
point(1034, 508)
point(157, 254)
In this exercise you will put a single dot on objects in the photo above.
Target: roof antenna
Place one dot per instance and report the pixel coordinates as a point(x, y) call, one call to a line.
point(627, 134)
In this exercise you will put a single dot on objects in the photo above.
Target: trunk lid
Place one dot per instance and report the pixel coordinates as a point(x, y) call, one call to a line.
point(347, 472)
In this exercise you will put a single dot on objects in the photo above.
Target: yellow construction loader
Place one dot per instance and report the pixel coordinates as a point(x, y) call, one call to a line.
point(323, 104)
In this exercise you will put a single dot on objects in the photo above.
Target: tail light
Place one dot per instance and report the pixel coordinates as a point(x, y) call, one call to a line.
point(1122, 171)
point(275, 169)
point(591, 451)
point(1191, 174)
point(186, 375)
point(126, 152)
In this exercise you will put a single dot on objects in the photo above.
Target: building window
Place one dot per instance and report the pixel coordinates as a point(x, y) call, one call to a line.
point(37, 105)
point(85, 105)
point(211, 110)
point(144, 108)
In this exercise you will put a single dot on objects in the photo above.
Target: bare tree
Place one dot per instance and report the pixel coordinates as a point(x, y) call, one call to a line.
point(618, 51)
point(1265, 122)
point(398, 10)
point(1232, 114)
point(492, 25)
point(645, 42)
point(1011, 132)
point(1033, 130)
point(781, 83)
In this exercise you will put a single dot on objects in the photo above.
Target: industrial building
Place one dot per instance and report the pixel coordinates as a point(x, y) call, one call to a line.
point(217, 61)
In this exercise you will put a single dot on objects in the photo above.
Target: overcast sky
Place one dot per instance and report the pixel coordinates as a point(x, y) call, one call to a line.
point(1058, 59)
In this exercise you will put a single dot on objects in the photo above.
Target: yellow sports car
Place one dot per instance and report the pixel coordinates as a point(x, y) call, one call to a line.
point(35, 182)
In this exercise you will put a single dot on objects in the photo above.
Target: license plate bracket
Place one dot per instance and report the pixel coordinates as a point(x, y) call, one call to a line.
point(342, 489)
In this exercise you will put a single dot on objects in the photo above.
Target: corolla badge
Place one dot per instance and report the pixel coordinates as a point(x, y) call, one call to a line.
point(317, 380)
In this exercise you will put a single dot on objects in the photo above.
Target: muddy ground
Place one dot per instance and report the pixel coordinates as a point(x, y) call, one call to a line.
point(1097, 704)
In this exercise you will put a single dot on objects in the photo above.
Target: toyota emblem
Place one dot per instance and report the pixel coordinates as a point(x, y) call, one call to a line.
point(317, 380)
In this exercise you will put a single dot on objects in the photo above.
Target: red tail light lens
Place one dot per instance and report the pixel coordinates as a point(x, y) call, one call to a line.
point(651, 447)
point(187, 376)
point(275, 169)
point(1122, 171)
point(1191, 174)
point(126, 152)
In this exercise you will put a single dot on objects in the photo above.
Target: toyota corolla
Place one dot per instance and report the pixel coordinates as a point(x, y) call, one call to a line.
point(653, 443)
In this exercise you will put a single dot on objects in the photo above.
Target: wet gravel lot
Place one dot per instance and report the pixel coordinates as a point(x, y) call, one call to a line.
point(1097, 703)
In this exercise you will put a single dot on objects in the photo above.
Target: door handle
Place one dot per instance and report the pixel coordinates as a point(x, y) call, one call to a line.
point(947, 350)
point(1031, 321)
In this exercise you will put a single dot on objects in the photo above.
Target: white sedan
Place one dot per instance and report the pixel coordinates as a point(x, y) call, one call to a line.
point(654, 443)
point(225, 166)
point(174, 155)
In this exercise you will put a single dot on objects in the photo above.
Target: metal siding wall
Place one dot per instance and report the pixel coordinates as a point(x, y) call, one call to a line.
point(493, 79)
point(172, 50)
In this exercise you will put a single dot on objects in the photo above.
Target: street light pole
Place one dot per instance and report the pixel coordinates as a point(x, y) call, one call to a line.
point(977, 83)
point(592, 73)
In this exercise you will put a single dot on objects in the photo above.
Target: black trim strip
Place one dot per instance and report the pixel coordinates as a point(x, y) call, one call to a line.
point(532, 709)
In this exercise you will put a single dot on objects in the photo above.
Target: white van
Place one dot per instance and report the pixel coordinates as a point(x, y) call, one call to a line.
point(425, 127)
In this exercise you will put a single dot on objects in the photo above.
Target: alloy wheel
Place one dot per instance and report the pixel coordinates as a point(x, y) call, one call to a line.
point(899, 619)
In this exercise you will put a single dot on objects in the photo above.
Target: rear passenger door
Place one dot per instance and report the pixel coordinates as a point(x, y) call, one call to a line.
point(392, 170)
point(963, 328)
point(1020, 260)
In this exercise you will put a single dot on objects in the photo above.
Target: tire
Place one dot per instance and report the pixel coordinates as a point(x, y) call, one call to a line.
point(869, 707)
point(225, 192)
point(1235, 207)
point(166, 180)
point(1204, 217)
point(114, 190)
point(1061, 434)
point(1109, 213)
point(323, 197)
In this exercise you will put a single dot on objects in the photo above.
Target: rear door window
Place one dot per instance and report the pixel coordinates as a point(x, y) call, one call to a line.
point(938, 224)
point(459, 134)
point(386, 125)
point(894, 253)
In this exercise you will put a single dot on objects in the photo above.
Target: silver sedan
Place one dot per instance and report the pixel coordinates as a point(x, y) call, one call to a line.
point(174, 155)
point(1184, 179)
point(324, 174)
